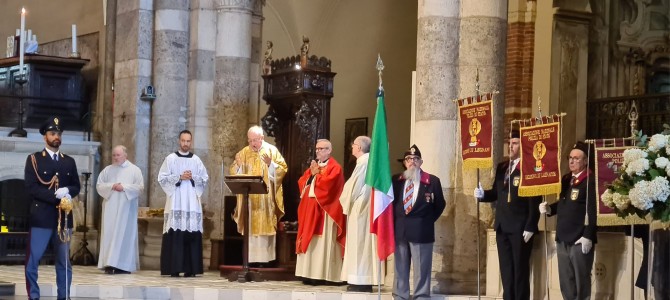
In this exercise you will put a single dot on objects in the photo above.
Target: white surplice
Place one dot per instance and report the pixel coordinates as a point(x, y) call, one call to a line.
point(183, 210)
point(360, 265)
point(118, 243)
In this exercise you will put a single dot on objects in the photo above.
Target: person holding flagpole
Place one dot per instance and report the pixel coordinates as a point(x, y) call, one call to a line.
point(415, 214)
point(576, 230)
point(515, 223)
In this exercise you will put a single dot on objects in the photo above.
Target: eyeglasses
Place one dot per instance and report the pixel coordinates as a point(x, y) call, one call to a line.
point(412, 158)
point(573, 158)
point(319, 149)
point(354, 144)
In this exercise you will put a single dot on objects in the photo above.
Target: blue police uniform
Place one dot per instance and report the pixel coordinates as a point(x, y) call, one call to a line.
point(41, 168)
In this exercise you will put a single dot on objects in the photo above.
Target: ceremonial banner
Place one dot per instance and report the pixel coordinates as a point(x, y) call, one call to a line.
point(476, 123)
point(540, 160)
point(608, 167)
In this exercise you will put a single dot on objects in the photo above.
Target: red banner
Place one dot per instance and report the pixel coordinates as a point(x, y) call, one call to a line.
point(476, 122)
point(540, 160)
point(608, 168)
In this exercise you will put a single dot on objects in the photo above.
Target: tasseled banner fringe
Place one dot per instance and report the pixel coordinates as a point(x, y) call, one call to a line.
point(540, 190)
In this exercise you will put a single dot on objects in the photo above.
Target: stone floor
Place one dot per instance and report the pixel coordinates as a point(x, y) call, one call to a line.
point(91, 283)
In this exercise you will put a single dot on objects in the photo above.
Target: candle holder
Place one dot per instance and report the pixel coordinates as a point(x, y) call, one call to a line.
point(75, 55)
point(19, 131)
point(83, 256)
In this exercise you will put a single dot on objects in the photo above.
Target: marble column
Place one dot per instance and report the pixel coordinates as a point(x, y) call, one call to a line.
point(132, 72)
point(170, 70)
point(229, 112)
point(436, 84)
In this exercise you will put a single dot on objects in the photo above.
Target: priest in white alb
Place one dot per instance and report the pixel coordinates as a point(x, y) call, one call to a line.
point(360, 266)
point(120, 185)
point(265, 210)
point(183, 178)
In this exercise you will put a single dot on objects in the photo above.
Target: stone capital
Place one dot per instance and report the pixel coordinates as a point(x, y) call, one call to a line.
point(245, 5)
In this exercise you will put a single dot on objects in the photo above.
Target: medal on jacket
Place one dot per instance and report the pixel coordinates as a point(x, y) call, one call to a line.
point(574, 194)
point(429, 197)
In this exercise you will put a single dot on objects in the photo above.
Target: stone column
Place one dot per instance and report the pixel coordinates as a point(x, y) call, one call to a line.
point(483, 45)
point(436, 84)
point(200, 99)
point(255, 68)
point(132, 72)
point(170, 69)
point(229, 112)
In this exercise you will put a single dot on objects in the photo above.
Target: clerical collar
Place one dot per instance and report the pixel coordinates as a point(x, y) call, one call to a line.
point(187, 154)
point(324, 163)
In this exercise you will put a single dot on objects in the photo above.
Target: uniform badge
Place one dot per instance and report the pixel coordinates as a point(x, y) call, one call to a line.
point(574, 194)
point(56, 121)
point(429, 197)
point(516, 180)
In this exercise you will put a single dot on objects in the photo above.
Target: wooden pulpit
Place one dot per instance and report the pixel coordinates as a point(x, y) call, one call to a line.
point(246, 185)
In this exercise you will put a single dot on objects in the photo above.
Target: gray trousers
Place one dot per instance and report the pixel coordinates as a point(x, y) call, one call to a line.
point(421, 256)
point(574, 271)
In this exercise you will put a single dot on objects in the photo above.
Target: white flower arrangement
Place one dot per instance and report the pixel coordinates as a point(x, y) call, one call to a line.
point(643, 188)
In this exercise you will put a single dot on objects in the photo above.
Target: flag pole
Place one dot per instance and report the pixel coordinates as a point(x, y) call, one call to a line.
point(380, 68)
point(544, 199)
point(479, 272)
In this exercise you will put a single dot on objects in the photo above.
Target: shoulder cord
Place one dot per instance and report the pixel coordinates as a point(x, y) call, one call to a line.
point(53, 183)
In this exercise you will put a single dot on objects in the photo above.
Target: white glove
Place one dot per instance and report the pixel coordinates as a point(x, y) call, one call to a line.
point(61, 192)
point(526, 236)
point(479, 192)
point(544, 208)
point(586, 244)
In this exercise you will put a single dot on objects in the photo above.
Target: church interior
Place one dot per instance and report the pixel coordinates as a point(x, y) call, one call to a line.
point(137, 72)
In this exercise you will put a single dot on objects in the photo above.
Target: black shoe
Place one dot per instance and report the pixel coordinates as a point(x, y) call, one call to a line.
point(359, 288)
point(189, 275)
point(174, 275)
point(308, 281)
point(119, 271)
point(109, 270)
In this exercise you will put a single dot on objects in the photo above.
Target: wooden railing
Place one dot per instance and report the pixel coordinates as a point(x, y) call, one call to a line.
point(609, 117)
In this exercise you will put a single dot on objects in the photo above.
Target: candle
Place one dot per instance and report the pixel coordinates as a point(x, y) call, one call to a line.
point(74, 38)
point(30, 34)
point(22, 39)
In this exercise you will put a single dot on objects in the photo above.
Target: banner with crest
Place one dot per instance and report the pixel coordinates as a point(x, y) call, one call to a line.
point(608, 164)
point(540, 158)
point(476, 124)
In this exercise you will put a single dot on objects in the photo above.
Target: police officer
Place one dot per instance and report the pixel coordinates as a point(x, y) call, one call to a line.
point(515, 223)
point(50, 176)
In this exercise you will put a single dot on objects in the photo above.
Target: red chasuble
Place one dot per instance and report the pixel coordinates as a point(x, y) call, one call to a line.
point(328, 186)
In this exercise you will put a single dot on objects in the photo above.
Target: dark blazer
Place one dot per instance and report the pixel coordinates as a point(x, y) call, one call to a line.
point(419, 225)
point(43, 210)
point(571, 213)
point(514, 214)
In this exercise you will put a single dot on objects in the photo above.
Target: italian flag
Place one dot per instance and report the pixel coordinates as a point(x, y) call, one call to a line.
point(378, 177)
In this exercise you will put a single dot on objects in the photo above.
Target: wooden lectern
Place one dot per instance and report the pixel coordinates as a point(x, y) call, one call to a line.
point(245, 185)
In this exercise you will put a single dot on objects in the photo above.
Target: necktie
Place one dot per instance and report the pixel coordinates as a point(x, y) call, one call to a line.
point(572, 181)
point(409, 193)
point(55, 157)
point(507, 173)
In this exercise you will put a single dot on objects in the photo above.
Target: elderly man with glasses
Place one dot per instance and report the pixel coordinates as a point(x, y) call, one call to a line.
point(575, 225)
point(321, 224)
point(418, 203)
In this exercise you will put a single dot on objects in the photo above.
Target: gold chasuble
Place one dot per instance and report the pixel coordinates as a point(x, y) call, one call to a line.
point(265, 210)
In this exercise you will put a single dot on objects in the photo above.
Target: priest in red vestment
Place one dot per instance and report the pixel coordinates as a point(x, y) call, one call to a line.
point(321, 223)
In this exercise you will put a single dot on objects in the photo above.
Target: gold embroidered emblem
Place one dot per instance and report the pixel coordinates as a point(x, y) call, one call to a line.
point(56, 121)
point(574, 194)
point(539, 150)
point(412, 150)
point(516, 180)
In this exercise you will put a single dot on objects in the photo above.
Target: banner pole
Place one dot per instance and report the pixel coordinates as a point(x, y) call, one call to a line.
point(546, 253)
point(379, 280)
point(479, 274)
